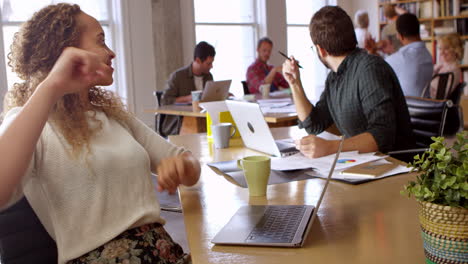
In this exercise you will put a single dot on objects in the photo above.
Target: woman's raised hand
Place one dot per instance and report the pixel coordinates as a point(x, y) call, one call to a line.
point(75, 70)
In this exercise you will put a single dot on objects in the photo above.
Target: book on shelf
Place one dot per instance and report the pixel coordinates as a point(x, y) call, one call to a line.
point(382, 17)
point(412, 8)
point(425, 9)
point(456, 7)
point(465, 56)
point(436, 9)
point(463, 7)
point(448, 7)
point(462, 26)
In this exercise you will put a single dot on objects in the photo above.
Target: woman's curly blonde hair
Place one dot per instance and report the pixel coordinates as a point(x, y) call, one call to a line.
point(453, 41)
point(34, 51)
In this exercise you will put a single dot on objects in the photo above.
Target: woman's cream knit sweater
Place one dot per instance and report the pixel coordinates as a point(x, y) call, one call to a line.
point(85, 202)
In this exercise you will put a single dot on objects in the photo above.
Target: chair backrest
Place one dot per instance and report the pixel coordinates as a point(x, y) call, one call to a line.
point(446, 79)
point(456, 94)
point(23, 238)
point(454, 122)
point(246, 87)
point(428, 118)
point(158, 95)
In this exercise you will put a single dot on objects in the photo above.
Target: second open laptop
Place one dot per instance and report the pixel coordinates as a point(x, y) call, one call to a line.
point(216, 91)
point(272, 225)
point(254, 130)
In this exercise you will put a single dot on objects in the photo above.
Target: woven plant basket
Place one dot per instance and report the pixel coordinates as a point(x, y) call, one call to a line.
point(444, 231)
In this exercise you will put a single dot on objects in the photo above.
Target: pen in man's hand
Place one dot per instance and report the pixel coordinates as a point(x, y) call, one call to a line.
point(286, 56)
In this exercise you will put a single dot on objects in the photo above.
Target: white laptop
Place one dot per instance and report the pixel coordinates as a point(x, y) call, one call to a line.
point(272, 225)
point(254, 130)
point(216, 91)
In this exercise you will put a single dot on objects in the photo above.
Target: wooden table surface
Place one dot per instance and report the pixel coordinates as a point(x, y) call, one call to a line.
point(366, 223)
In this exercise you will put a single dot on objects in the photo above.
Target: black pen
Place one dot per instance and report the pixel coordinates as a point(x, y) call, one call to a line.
point(286, 56)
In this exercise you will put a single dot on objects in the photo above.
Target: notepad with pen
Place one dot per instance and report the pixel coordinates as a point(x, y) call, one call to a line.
point(369, 169)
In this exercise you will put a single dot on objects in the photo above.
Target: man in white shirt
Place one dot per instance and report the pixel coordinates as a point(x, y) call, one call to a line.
point(413, 62)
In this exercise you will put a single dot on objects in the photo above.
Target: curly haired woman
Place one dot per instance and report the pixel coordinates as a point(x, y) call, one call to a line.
point(83, 162)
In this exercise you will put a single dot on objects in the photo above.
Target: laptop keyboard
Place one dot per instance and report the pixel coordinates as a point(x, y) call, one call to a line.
point(278, 224)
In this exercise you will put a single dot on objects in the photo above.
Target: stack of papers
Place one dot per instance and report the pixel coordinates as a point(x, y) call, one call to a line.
point(280, 105)
point(321, 166)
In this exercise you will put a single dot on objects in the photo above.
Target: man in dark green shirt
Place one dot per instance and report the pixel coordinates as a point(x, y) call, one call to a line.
point(362, 95)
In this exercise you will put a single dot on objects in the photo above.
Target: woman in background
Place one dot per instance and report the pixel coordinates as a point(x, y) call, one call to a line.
point(361, 19)
point(450, 56)
point(83, 162)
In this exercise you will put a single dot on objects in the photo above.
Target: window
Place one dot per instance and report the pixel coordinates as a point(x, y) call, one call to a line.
point(298, 15)
point(231, 29)
point(15, 12)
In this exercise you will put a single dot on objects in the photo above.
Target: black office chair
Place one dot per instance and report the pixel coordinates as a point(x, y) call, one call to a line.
point(429, 118)
point(446, 79)
point(158, 118)
point(23, 239)
point(454, 121)
point(246, 87)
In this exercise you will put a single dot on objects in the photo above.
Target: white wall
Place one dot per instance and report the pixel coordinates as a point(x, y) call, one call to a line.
point(141, 80)
point(188, 29)
point(276, 29)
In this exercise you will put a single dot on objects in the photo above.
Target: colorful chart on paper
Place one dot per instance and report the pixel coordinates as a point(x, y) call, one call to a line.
point(346, 161)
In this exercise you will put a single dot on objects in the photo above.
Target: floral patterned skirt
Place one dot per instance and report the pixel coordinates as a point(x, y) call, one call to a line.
point(145, 244)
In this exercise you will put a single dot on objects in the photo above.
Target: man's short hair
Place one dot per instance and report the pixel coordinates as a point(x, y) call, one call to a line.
point(264, 39)
point(203, 50)
point(332, 29)
point(389, 11)
point(408, 25)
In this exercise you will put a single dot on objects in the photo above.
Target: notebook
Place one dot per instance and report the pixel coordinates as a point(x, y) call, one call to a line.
point(216, 91)
point(254, 130)
point(272, 225)
point(370, 169)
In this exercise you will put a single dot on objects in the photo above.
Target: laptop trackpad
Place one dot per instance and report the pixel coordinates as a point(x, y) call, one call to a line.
point(240, 225)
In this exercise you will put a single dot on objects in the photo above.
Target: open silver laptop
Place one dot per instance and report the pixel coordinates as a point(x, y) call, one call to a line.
point(272, 225)
point(254, 130)
point(216, 91)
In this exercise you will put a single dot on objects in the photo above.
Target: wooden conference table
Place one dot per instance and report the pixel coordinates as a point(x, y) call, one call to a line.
point(195, 122)
point(367, 223)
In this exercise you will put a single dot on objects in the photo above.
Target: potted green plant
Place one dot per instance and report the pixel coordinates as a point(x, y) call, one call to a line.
point(441, 188)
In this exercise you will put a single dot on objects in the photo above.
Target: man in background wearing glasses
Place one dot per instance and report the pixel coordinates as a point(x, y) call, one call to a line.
point(362, 95)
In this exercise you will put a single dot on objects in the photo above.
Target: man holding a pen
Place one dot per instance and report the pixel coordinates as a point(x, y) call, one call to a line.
point(362, 95)
point(260, 72)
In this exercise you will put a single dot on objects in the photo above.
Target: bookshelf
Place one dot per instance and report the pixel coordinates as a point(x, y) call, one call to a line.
point(438, 17)
point(381, 3)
